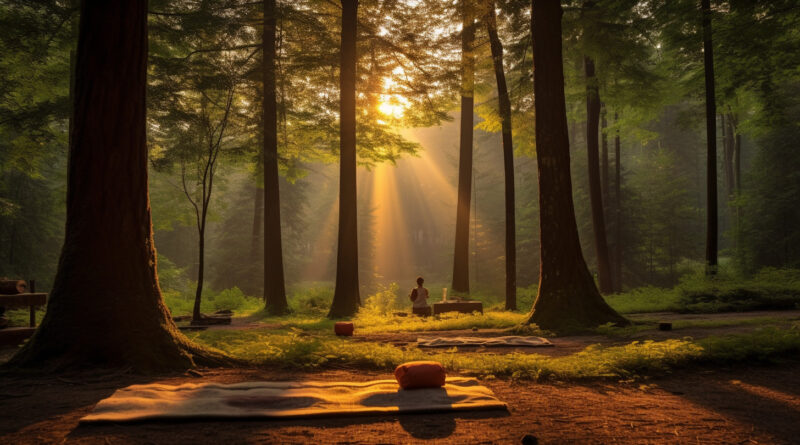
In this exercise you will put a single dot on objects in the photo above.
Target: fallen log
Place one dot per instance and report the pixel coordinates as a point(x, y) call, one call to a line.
point(208, 320)
point(12, 287)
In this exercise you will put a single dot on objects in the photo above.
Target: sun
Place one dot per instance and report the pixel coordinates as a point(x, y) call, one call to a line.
point(391, 104)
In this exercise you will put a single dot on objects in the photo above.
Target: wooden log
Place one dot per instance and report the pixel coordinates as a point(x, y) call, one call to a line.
point(10, 287)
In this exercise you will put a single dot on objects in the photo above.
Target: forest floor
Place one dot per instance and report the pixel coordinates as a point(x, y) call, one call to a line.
point(740, 402)
point(745, 404)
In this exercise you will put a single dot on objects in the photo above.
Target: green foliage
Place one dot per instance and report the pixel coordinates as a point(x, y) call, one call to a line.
point(768, 289)
point(367, 322)
point(315, 300)
point(384, 301)
point(729, 291)
point(644, 299)
point(178, 291)
point(767, 344)
point(229, 299)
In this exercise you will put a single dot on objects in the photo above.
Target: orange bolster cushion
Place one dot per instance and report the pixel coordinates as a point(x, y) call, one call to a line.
point(424, 374)
point(343, 328)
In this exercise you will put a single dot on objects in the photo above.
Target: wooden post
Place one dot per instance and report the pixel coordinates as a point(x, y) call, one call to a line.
point(32, 289)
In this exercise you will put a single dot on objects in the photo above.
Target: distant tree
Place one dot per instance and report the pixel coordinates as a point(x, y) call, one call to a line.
point(504, 109)
point(595, 187)
point(461, 253)
point(617, 209)
point(119, 319)
point(711, 141)
point(274, 287)
point(346, 296)
point(567, 296)
point(596, 176)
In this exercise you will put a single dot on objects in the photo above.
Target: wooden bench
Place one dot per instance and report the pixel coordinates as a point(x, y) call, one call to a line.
point(30, 300)
point(15, 294)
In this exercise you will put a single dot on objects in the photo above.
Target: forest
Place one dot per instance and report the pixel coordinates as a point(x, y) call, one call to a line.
point(586, 209)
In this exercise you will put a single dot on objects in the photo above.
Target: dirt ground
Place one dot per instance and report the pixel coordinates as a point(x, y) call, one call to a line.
point(759, 404)
point(743, 404)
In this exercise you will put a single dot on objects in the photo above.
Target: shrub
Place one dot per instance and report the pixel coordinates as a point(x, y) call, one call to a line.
point(315, 300)
point(385, 301)
point(229, 299)
point(768, 289)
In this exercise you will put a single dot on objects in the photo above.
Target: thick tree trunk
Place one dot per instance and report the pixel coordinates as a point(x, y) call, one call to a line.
point(346, 297)
point(121, 320)
point(617, 210)
point(595, 192)
point(568, 297)
point(711, 140)
point(274, 286)
point(461, 253)
point(508, 158)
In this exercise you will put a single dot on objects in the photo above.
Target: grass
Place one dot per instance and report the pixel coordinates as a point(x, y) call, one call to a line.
point(645, 299)
point(642, 325)
point(293, 348)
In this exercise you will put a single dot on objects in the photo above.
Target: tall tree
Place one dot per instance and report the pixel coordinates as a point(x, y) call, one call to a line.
point(617, 209)
point(346, 295)
point(109, 238)
point(567, 296)
point(461, 253)
point(274, 287)
point(504, 108)
point(711, 142)
point(595, 191)
point(605, 180)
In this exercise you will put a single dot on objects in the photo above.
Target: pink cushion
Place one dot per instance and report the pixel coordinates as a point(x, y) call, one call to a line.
point(423, 374)
point(343, 328)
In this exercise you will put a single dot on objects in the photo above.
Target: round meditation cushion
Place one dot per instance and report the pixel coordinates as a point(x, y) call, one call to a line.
point(423, 374)
point(343, 328)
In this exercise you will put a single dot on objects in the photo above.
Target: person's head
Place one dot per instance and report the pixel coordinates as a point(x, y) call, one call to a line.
point(420, 280)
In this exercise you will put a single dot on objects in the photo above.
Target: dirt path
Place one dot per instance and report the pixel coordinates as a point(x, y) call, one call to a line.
point(745, 405)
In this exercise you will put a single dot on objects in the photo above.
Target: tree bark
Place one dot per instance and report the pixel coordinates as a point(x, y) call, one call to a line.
point(711, 141)
point(595, 192)
point(201, 266)
point(617, 210)
point(728, 154)
point(461, 254)
point(121, 320)
point(504, 104)
point(604, 176)
point(346, 296)
point(258, 212)
point(274, 286)
point(567, 297)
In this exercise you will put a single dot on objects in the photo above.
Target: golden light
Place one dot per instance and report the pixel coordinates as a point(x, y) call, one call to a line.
point(392, 104)
point(391, 107)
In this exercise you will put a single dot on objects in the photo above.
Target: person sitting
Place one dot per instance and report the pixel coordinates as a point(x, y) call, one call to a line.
point(419, 295)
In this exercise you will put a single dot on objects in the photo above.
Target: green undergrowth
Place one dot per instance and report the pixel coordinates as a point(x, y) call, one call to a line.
point(375, 323)
point(727, 291)
point(293, 348)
